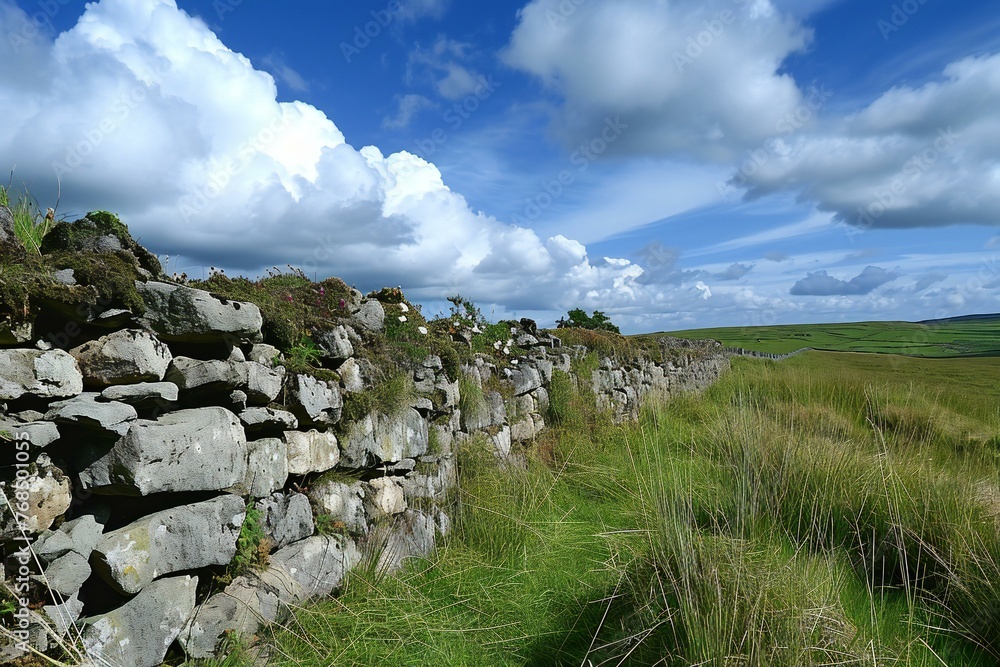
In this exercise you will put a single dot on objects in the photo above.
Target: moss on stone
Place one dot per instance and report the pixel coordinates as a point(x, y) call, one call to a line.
point(88, 233)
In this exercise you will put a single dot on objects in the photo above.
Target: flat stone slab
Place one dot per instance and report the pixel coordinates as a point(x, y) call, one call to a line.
point(38, 434)
point(174, 540)
point(143, 392)
point(203, 449)
point(318, 564)
point(182, 314)
point(45, 374)
point(85, 410)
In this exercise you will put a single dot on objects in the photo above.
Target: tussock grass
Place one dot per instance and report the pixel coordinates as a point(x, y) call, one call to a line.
point(826, 510)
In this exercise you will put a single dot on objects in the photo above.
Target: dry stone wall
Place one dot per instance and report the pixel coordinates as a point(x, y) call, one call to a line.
point(131, 462)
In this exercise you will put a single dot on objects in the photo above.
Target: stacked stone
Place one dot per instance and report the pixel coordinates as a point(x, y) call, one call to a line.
point(130, 460)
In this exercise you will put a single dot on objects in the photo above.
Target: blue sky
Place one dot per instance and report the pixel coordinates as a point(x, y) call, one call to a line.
point(676, 164)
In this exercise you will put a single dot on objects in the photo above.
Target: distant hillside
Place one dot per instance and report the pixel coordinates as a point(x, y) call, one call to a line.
point(968, 336)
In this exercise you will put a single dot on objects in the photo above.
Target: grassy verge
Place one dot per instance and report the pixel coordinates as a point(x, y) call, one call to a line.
point(830, 509)
point(942, 338)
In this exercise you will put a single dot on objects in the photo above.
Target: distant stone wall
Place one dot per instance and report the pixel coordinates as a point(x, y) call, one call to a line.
point(740, 352)
point(130, 462)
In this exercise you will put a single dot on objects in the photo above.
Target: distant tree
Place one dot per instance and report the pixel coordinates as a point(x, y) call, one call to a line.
point(578, 317)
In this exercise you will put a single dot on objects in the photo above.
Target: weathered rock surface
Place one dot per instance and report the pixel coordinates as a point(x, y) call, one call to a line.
point(242, 608)
point(139, 633)
point(38, 498)
point(263, 383)
point(341, 502)
point(79, 536)
point(314, 402)
point(66, 574)
point(182, 538)
point(311, 452)
point(286, 519)
point(203, 449)
point(257, 420)
point(37, 433)
point(385, 497)
point(142, 393)
point(318, 564)
point(183, 314)
point(382, 438)
point(46, 374)
point(122, 357)
point(335, 344)
point(85, 410)
point(267, 467)
point(188, 374)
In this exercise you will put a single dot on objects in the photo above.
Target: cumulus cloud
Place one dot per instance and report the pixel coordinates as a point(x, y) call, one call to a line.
point(141, 109)
point(695, 76)
point(819, 283)
point(734, 272)
point(915, 157)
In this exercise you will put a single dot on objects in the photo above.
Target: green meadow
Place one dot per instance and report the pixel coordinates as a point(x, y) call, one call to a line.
point(940, 338)
point(830, 509)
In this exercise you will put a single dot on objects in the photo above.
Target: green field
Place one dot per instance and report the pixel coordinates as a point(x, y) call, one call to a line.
point(942, 338)
point(830, 509)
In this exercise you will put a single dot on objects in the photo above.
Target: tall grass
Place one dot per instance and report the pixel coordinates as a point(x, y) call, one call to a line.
point(30, 223)
point(820, 511)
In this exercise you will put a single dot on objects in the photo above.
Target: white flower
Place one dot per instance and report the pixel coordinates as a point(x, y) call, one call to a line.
point(422, 330)
point(404, 307)
point(402, 318)
point(476, 329)
point(513, 362)
point(496, 345)
point(506, 350)
point(510, 342)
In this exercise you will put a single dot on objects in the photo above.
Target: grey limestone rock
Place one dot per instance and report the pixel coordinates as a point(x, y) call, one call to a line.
point(41, 373)
point(122, 357)
point(182, 538)
point(203, 449)
point(85, 410)
point(138, 633)
point(182, 314)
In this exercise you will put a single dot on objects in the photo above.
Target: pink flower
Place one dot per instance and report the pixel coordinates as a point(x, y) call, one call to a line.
point(343, 304)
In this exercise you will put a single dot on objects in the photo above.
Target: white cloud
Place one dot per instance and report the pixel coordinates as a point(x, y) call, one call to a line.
point(409, 106)
point(417, 9)
point(275, 64)
point(694, 76)
point(187, 140)
point(915, 157)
